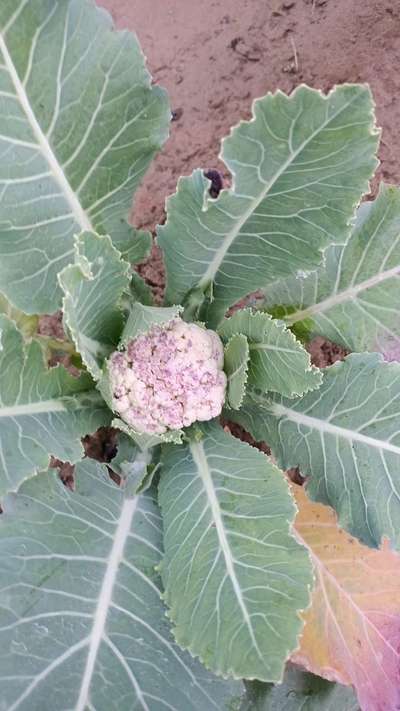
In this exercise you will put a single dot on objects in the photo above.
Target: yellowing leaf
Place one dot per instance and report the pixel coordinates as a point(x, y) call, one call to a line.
point(352, 631)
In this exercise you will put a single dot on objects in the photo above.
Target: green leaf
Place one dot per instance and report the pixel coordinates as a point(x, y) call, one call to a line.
point(236, 360)
point(140, 291)
point(133, 465)
point(353, 299)
point(82, 625)
point(346, 438)
point(141, 319)
point(299, 691)
point(42, 411)
point(92, 288)
point(278, 362)
point(235, 578)
point(145, 441)
point(127, 452)
point(299, 168)
point(80, 124)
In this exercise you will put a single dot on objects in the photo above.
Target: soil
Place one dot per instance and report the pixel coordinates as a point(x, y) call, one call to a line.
point(214, 57)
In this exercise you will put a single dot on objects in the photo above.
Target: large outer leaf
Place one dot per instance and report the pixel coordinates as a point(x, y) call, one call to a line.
point(299, 166)
point(352, 628)
point(278, 362)
point(346, 438)
point(299, 691)
point(234, 576)
point(93, 287)
point(353, 299)
point(42, 411)
point(82, 625)
point(79, 126)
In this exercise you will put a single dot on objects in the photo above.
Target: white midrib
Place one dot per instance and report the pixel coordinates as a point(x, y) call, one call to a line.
point(100, 618)
point(346, 295)
point(33, 408)
point(270, 347)
point(237, 370)
point(232, 234)
point(327, 427)
point(201, 463)
point(95, 347)
point(77, 210)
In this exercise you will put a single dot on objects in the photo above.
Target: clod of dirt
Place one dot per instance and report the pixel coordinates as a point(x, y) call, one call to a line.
point(51, 326)
point(102, 445)
point(153, 272)
point(324, 352)
point(65, 472)
point(217, 182)
point(238, 45)
point(176, 114)
point(295, 476)
point(237, 431)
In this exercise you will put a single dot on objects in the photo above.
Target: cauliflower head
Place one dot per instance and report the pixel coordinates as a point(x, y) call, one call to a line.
point(168, 378)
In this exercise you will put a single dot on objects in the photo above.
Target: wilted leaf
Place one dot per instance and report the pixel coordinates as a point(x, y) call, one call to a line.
point(93, 287)
point(278, 362)
point(299, 168)
point(26, 324)
point(345, 437)
point(82, 625)
point(352, 300)
point(353, 626)
point(234, 576)
point(80, 124)
point(42, 411)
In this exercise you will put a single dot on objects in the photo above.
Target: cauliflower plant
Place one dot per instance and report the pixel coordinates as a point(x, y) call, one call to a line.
point(168, 378)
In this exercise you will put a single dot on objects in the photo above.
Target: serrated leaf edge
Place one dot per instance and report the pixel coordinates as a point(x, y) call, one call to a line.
point(244, 367)
point(124, 339)
point(82, 264)
point(374, 131)
point(299, 613)
point(283, 328)
point(207, 200)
